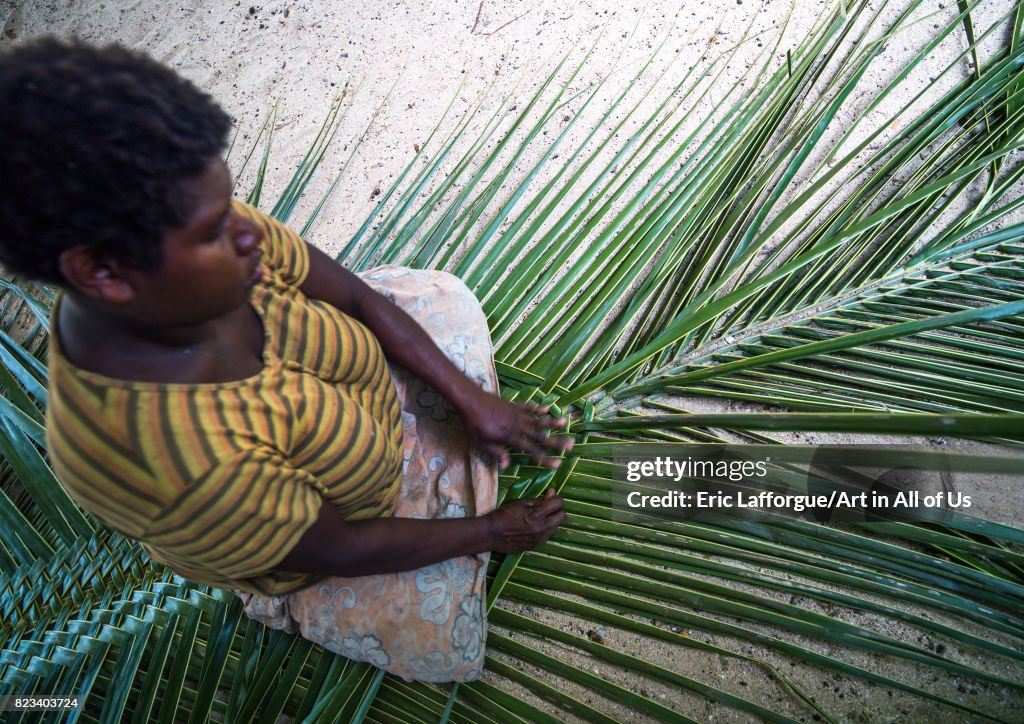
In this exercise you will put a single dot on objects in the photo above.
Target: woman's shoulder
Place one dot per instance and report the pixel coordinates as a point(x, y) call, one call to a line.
point(285, 257)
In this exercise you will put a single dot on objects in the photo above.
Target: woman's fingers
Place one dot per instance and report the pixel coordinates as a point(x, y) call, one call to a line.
point(550, 504)
point(501, 427)
point(538, 423)
point(538, 415)
point(540, 428)
point(537, 453)
point(497, 452)
point(535, 438)
point(523, 524)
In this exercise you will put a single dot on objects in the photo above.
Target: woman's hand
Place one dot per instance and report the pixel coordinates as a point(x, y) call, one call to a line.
point(496, 426)
point(524, 524)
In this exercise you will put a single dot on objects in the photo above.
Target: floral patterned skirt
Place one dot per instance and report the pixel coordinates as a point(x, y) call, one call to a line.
point(428, 624)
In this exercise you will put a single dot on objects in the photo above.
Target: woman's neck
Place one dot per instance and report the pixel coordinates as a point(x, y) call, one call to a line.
point(122, 347)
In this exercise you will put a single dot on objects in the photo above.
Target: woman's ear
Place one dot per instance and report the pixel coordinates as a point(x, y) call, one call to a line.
point(93, 273)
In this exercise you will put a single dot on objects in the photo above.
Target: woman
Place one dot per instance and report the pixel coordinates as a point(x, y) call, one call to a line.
point(220, 390)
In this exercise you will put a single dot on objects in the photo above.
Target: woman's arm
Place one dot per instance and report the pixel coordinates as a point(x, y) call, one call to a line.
point(334, 547)
point(496, 425)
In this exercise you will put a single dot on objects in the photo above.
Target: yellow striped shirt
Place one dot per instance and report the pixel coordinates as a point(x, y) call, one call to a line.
point(220, 481)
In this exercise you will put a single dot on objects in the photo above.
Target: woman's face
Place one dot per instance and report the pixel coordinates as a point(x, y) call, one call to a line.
point(210, 263)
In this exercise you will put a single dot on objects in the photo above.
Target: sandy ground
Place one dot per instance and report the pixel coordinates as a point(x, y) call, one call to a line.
point(403, 61)
point(400, 64)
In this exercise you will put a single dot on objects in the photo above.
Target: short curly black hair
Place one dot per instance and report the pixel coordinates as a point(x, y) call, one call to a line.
point(95, 144)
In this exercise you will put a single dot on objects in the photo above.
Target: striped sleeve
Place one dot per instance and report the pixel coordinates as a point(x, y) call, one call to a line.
point(239, 520)
point(284, 252)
